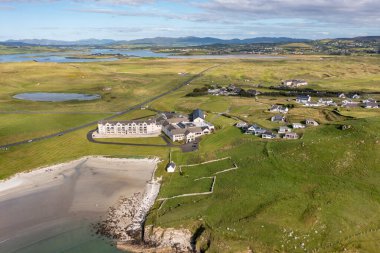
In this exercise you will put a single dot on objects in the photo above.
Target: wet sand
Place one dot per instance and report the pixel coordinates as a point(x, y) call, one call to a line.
point(52, 209)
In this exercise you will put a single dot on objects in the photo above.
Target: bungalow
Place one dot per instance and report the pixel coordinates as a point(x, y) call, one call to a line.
point(279, 108)
point(369, 100)
point(312, 104)
point(171, 167)
point(292, 136)
point(355, 96)
point(278, 118)
point(268, 135)
point(242, 125)
point(370, 105)
point(311, 122)
point(302, 99)
point(294, 83)
point(341, 95)
point(298, 125)
point(327, 101)
point(284, 129)
point(349, 103)
point(256, 130)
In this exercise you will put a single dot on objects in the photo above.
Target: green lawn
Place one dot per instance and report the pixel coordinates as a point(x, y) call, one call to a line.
point(19, 127)
point(318, 191)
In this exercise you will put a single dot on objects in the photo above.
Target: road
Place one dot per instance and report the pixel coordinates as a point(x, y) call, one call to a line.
point(129, 109)
point(187, 147)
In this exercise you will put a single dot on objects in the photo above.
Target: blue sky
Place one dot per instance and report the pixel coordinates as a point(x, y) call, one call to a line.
point(132, 19)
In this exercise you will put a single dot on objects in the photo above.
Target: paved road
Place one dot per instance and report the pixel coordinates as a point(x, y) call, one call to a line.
point(187, 147)
point(132, 108)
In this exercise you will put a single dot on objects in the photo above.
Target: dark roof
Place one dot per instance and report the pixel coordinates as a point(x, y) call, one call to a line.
point(198, 113)
point(278, 117)
point(303, 97)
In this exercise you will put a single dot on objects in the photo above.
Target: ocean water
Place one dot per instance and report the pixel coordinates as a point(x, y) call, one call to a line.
point(56, 210)
point(65, 56)
point(69, 236)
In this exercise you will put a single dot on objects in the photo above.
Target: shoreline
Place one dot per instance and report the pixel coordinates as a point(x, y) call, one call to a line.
point(35, 205)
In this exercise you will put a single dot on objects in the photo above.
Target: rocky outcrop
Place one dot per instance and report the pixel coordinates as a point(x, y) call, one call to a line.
point(119, 218)
point(179, 240)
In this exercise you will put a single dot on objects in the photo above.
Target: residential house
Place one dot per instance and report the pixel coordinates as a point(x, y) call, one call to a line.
point(349, 103)
point(278, 118)
point(171, 167)
point(256, 130)
point(284, 129)
point(327, 101)
point(355, 96)
point(279, 109)
point(341, 95)
point(302, 99)
point(242, 125)
point(311, 122)
point(370, 105)
point(268, 135)
point(294, 83)
point(292, 136)
point(312, 104)
point(298, 126)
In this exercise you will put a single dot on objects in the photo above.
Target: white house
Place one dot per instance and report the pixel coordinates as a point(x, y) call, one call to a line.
point(278, 118)
point(302, 99)
point(268, 135)
point(284, 129)
point(298, 125)
point(279, 108)
point(311, 122)
point(171, 167)
point(294, 83)
point(291, 136)
point(256, 130)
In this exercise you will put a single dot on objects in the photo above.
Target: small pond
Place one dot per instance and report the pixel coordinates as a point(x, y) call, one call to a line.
point(56, 97)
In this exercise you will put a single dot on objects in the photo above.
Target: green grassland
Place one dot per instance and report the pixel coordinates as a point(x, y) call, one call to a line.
point(121, 84)
point(319, 192)
point(325, 73)
point(27, 49)
point(19, 127)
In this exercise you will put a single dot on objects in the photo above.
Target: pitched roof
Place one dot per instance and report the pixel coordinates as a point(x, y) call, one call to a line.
point(198, 113)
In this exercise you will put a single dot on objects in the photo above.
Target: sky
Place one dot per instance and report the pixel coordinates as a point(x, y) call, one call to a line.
point(226, 19)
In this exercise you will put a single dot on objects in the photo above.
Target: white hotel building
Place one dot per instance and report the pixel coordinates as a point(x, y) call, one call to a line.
point(125, 129)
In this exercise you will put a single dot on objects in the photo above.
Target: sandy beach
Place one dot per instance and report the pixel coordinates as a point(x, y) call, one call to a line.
point(50, 209)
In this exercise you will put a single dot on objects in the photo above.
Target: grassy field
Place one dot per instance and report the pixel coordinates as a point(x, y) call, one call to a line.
point(19, 127)
point(319, 192)
point(121, 84)
point(27, 49)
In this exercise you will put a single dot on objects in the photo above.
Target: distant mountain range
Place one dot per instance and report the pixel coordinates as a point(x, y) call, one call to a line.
point(167, 41)
point(158, 41)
